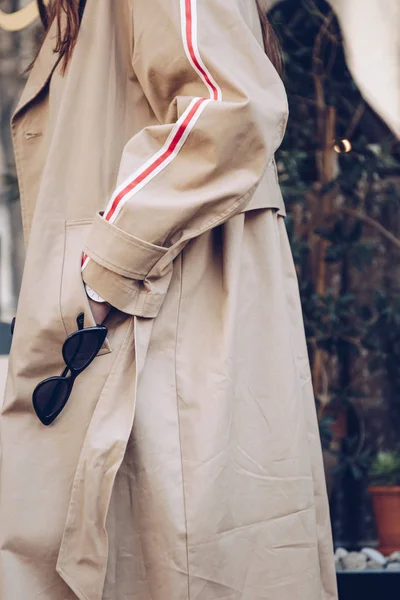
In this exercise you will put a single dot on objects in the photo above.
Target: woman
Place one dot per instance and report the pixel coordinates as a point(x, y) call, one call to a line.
point(184, 463)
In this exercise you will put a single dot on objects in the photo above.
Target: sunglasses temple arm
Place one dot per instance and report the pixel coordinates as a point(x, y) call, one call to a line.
point(80, 320)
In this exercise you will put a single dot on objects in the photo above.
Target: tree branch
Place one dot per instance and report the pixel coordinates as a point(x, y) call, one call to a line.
point(372, 222)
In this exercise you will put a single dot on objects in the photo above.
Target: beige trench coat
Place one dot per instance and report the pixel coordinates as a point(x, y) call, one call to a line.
point(187, 462)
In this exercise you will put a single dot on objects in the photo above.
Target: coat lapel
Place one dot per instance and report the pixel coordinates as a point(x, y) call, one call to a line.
point(41, 72)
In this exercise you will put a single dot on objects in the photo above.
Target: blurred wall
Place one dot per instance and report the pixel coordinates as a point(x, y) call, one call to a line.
point(3, 375)
point(16, 52)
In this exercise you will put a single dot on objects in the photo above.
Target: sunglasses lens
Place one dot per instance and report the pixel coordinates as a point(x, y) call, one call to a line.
point(50, 397)
point(80, 348)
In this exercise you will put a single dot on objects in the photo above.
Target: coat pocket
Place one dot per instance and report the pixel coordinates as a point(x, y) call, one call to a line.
point(73, 298)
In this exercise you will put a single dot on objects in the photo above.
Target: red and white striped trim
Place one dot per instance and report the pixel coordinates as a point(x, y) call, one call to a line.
point(189, 24)
point(182, 128)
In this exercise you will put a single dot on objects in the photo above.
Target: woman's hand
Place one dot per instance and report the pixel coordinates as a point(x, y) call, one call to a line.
point(99, 310)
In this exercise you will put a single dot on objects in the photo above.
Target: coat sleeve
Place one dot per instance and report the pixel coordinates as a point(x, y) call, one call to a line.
point(214, 94)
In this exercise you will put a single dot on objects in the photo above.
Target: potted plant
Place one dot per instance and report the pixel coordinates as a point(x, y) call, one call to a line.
point(384, 477)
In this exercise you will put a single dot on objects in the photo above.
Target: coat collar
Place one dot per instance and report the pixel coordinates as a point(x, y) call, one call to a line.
point(41, 72)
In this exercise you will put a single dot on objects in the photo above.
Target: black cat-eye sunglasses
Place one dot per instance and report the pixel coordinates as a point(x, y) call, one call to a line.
point(79, 350)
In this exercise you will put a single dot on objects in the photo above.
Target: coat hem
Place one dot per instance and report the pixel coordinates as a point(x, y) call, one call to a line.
point(71, 584)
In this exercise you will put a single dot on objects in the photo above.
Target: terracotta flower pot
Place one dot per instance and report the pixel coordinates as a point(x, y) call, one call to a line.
point(386, 502)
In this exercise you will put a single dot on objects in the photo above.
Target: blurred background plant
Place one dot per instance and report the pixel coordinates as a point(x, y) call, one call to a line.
point(385, 469)
point(339, 169)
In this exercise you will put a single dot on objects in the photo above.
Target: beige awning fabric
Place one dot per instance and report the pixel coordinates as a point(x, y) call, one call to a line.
point(371, 30)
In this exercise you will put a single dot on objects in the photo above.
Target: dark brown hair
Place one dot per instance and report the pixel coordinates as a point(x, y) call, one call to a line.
point(72, 10)
point(66, 11)
point(271, 42)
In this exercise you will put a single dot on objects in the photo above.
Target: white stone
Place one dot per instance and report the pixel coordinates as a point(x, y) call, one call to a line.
point(340, 553)
point(393, 566)
point(373, 565)
point(355, 561)
point(372, 554)
point(339, 564)
point(394, 557)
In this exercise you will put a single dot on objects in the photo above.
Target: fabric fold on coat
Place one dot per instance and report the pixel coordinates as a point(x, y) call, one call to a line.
point(191, 172)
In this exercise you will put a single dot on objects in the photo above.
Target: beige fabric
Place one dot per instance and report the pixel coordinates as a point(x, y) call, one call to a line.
point(372, 40)
point(371, 32)
point(186, 464)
